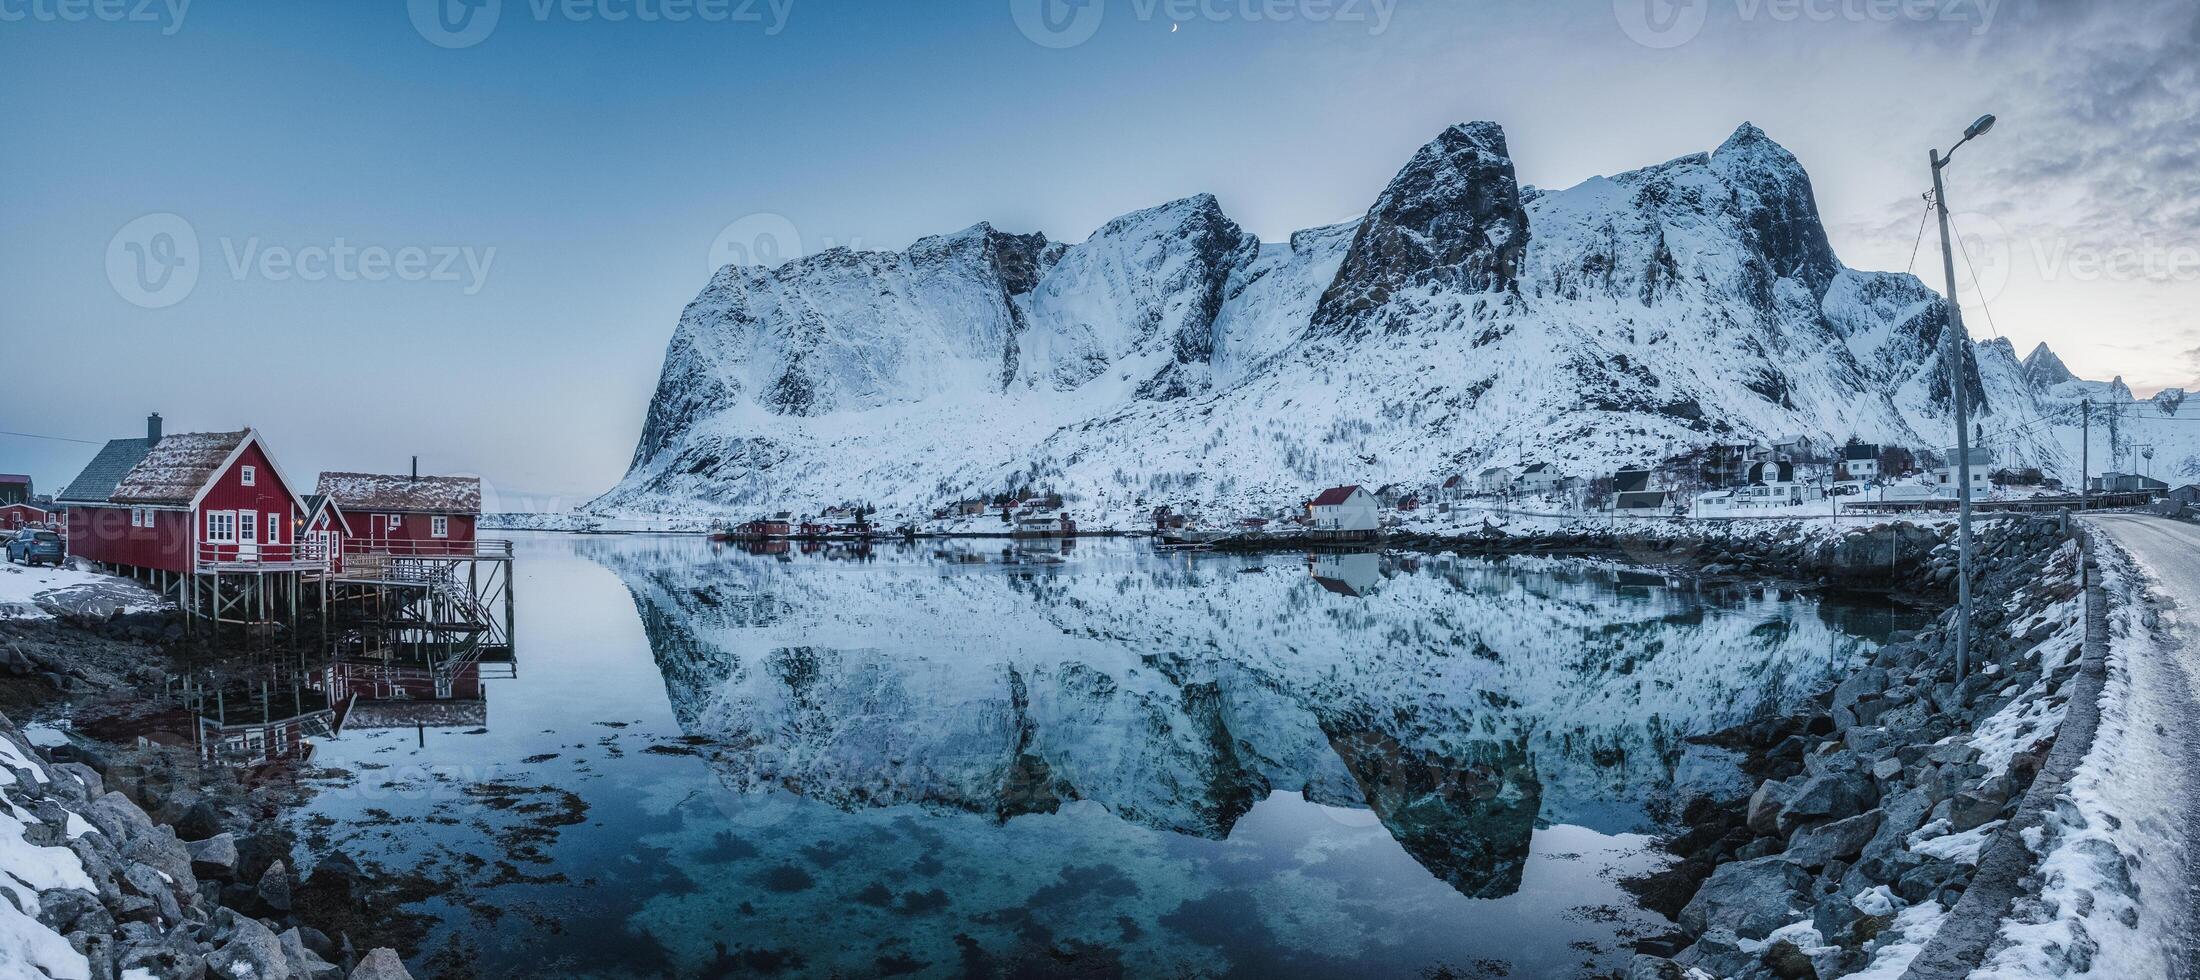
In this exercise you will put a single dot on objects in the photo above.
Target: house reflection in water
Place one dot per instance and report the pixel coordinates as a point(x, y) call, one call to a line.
point(407, 681)
point(271, 710)
point(254, 714)
point(1354, 575)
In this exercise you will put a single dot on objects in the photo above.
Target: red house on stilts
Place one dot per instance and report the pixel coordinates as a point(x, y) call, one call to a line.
point(405, 516)
point(185, 511)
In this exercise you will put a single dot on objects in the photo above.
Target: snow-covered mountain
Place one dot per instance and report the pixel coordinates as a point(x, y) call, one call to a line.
point(1464, 321)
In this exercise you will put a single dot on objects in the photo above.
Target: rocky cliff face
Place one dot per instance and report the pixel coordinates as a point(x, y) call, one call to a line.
point(1464, 321)
point(1451, 220)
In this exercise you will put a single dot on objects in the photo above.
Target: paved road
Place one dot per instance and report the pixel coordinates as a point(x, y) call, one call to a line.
point(2171, 550)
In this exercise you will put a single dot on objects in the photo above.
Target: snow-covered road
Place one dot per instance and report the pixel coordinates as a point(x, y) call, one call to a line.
point(2170, 552)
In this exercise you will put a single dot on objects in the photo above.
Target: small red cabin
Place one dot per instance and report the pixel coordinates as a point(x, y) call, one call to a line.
point(324, 530)
point(13, 516)
point(183, 503)
point(405, 515)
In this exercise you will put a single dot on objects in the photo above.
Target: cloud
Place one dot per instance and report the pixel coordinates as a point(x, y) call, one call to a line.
point(2110, 107)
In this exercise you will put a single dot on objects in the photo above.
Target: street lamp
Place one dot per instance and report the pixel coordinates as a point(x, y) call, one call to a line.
point(1958, 343)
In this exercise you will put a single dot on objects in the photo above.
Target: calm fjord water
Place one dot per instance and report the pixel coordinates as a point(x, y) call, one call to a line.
point(972, 759)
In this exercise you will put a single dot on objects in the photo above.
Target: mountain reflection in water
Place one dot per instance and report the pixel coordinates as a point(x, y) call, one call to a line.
point(1089, 758)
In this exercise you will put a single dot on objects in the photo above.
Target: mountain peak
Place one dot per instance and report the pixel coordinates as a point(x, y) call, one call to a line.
point(1451, 217)
point(1779, 206)
point(1486, 136)
point(2045, 370)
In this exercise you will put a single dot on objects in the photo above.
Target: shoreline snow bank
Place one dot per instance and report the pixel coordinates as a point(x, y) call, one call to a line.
point(2112, 835)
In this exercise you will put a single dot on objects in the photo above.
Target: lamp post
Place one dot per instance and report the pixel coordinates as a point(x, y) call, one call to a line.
point(1958, 341)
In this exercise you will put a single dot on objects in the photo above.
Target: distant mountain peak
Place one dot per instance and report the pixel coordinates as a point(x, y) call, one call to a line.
point(2044, 369)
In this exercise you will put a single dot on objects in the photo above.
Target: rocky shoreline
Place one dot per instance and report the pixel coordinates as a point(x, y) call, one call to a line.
point(1872, 810)
point(134, 862)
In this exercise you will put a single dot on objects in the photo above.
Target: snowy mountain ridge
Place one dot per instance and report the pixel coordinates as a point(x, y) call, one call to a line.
point(1464, 321)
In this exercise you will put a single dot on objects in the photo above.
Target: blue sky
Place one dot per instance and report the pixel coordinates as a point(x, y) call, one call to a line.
point(575, 174)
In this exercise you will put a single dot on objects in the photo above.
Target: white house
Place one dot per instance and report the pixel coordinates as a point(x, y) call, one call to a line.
point(1979, 472)
point(1860, 462)
point(1539, 479)
point(1495, 480)
point(1347, 508)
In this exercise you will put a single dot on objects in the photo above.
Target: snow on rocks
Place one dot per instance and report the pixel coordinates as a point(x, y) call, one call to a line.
point(2114, 829)
point(91, 887)
point(1873, 817)
point(43, 592)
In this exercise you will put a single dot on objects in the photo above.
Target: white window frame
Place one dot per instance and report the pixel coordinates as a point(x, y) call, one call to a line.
point(439, 526)
point(249, 475)
point(274, 528)
point(137, 517)
point(396, 521)
point(247, 521)
point(221, 527)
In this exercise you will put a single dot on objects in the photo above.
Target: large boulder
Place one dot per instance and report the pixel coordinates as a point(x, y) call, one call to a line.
point(1767, 804)
point(214, 857)
point(381, 964)
point(1828, 796)
point(1979, 805)
point(1861, 684)
point(1751, 897)
point(1823, 844)
point(274, 887)
point(250, 952)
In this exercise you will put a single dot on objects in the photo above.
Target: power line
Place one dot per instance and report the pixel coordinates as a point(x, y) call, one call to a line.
point(1976, 282)
point(1921, 219)
point(34, 435)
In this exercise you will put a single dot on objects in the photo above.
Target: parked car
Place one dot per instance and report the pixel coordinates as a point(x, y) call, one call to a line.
point(33, 545)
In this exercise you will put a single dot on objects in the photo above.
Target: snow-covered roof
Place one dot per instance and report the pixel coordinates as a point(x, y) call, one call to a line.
point(403, 494)
point(177, 466)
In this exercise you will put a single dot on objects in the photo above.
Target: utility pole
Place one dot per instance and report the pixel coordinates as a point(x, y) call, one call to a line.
point(2085, 452)
point(1958, 346)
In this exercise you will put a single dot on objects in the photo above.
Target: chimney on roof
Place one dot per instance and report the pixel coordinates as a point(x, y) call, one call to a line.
point(152, 427)
point(416, 469)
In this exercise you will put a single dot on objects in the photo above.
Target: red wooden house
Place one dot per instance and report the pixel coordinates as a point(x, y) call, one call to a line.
point(13, 516)
point(405, 515)
point(184, 503)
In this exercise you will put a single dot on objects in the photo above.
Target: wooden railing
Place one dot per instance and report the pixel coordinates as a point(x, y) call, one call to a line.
point(353, 551)
point(249, 553)
point(497, 548)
